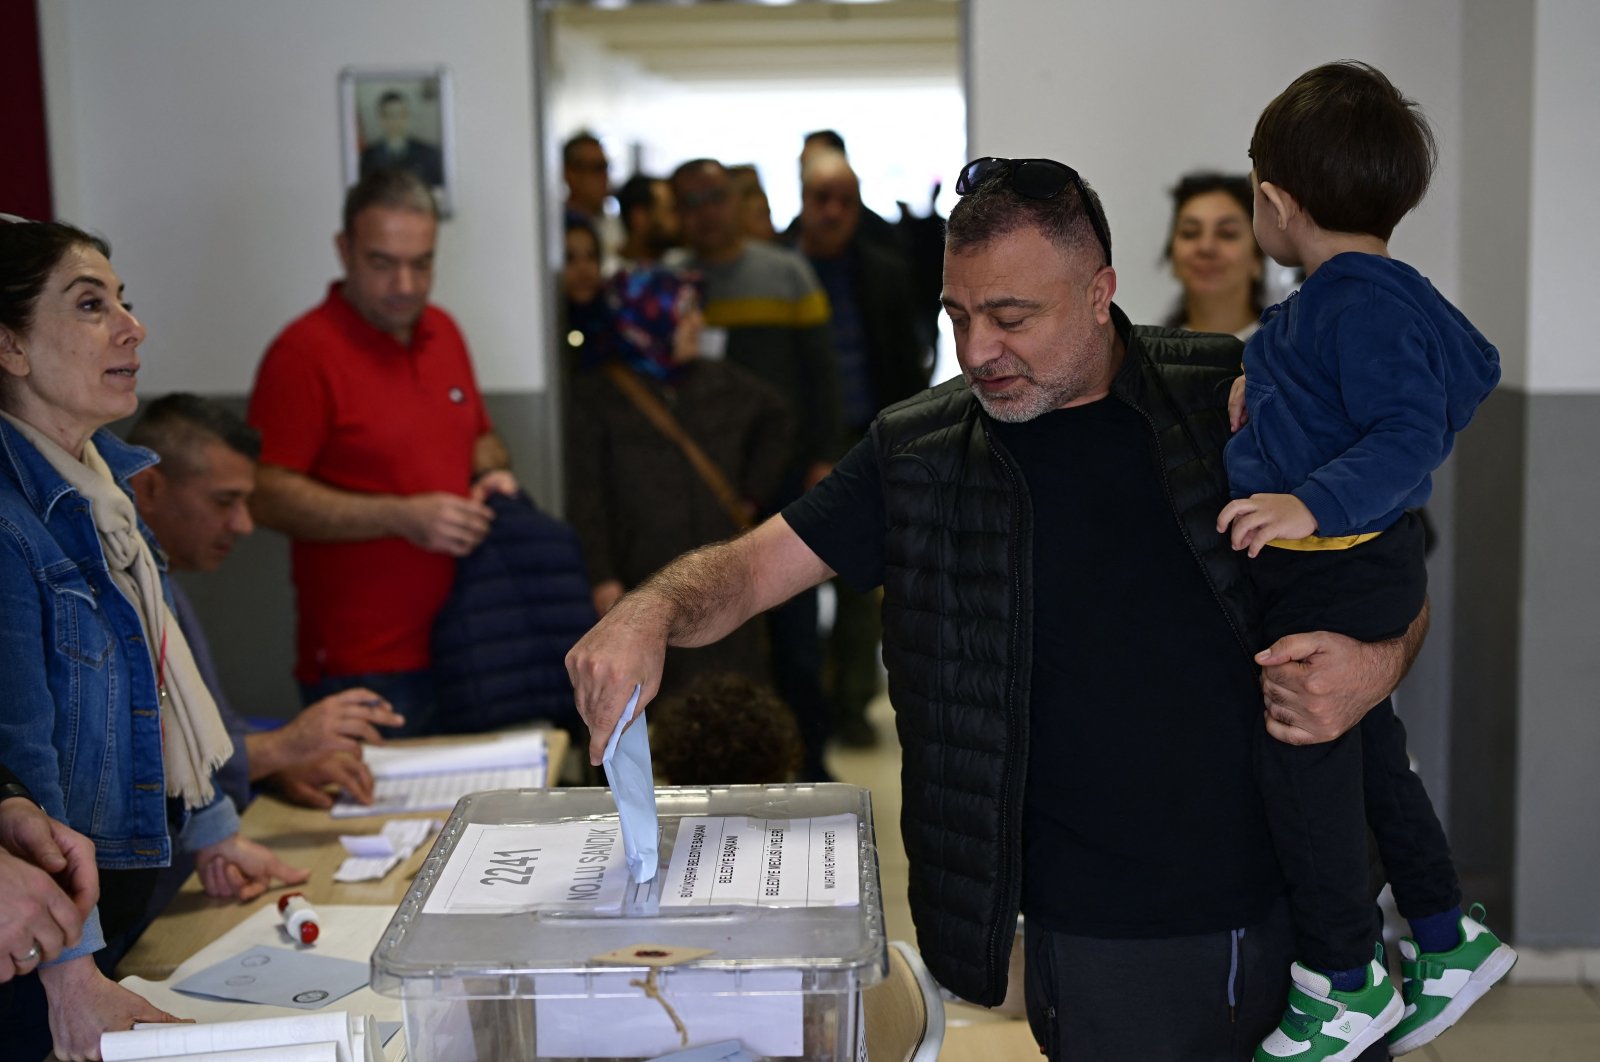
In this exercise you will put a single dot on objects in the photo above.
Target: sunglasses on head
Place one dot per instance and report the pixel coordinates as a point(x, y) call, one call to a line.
point(1035, 179)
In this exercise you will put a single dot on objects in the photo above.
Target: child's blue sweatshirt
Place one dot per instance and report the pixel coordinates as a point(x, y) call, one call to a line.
point(1356, 386)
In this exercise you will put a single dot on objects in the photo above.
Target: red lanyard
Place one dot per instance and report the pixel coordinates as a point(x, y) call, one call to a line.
point(161, 687)
point(161, 666)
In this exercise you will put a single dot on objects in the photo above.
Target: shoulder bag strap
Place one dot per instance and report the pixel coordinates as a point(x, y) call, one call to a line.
point(664, 422)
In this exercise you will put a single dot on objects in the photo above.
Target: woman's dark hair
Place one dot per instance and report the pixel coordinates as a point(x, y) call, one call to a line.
point(29, 253)
point(1203, 182)
point(725, 729)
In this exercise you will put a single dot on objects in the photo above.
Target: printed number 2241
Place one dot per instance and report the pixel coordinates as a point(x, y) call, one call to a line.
point(514, 867)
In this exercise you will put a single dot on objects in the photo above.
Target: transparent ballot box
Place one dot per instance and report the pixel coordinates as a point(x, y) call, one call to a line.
point(525, 937)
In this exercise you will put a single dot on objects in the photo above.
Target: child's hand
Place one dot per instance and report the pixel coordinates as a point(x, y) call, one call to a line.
point(1261, 518)
point(1238, 412)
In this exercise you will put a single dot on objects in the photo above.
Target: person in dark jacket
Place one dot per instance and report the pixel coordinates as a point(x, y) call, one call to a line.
point(1069, 643)
point(882, 360)
point(634, 496)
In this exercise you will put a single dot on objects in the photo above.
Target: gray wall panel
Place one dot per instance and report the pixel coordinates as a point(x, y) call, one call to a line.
point(1557, 856)
point(1488, 520)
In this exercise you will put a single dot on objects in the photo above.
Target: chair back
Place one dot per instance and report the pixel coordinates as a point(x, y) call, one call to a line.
point(904, 1012)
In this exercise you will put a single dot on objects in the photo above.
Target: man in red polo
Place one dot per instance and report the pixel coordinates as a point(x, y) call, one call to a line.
point(377, 454)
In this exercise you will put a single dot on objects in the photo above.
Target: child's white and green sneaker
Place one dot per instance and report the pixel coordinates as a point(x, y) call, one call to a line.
point(1324, 1025)
point(1441, 985)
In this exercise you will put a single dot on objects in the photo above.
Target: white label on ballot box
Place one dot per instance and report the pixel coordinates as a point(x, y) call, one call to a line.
point(764, 863)
point(558, 864)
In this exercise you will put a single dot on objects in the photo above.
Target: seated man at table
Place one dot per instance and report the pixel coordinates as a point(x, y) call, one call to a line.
point(195, 503)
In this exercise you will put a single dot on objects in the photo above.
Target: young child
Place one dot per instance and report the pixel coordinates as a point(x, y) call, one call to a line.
point(725, 729)
point(1354, 390)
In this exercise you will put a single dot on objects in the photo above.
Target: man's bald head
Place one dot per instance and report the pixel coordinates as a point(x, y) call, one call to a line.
point(830, 204)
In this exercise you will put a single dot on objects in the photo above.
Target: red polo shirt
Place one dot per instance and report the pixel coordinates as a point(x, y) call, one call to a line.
point(348, 405)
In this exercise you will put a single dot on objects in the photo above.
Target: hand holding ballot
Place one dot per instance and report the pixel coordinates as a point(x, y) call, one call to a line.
point(624, 651)
point(697, 599)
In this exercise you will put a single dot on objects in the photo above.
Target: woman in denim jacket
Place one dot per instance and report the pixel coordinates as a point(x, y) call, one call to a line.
point(103, 714)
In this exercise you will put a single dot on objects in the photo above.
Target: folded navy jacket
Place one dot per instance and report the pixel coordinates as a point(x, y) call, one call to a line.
point(520, 602)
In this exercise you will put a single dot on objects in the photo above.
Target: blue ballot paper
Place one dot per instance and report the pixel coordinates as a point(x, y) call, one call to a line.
point(633, 783)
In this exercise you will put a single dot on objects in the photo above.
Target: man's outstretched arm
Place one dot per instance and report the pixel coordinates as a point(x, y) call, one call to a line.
point(697, 599)
point(1318, 685)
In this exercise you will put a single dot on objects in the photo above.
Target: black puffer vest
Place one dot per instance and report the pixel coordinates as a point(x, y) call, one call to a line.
point(958, 625)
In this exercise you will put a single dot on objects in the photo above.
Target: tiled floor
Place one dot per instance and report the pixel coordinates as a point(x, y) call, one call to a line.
point(1514, 1023)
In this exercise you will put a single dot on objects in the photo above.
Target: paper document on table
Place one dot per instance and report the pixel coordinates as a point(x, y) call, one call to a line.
point(373, 855)
point(434, 777)
point(280, 977)
point(323, 1052)
point(517, 749)
point(556, 864)
point(764, 863)
point(354, 1037)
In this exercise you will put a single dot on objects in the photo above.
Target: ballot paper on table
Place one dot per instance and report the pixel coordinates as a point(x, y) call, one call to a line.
point(278, 977)
point(348, 932)
point(373, 855)
point(352, 1038)
point(633, 784)
point(736, 860)
point(434, 777)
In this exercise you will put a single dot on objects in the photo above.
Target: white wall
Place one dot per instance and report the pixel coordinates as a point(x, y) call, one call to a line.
point(202, 138)
point(1497, 118)
point(1138, 92)
point(1563, 275)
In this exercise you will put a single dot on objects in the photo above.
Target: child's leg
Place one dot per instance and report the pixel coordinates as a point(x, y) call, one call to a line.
point(1411, 842)
point(1316, 812)
point(1452, 959)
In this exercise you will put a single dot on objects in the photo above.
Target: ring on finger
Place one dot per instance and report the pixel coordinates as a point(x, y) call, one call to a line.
point(31, 955)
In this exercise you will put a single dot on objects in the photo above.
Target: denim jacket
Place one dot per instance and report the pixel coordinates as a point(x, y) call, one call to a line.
point(80, 722)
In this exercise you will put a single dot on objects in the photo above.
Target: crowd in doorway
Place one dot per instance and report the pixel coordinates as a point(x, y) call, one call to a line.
point(717, 366)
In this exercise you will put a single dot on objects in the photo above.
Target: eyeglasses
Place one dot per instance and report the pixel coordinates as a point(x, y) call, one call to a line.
point(1035, 179)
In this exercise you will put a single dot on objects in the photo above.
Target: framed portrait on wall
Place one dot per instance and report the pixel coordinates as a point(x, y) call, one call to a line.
point(399, 117)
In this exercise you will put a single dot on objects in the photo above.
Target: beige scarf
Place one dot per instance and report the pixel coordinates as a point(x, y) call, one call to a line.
point(194, 743)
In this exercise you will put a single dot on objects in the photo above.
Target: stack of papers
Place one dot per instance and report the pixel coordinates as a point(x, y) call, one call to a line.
point(373, 855)
point(336, 1037)
point(434, 777)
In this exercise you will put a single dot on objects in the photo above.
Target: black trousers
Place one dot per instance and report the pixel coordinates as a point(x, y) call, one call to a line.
point(1322, 799)
point(1206, 998)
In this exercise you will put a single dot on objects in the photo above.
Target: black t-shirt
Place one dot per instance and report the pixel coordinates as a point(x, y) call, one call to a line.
point(1141, 814)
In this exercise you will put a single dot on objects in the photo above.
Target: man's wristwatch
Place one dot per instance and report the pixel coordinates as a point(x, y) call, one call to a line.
point(15, 789)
